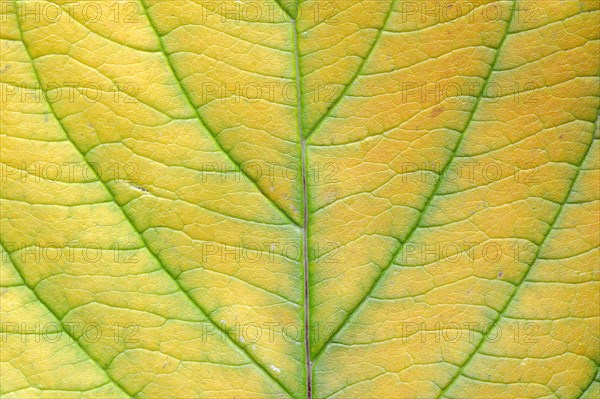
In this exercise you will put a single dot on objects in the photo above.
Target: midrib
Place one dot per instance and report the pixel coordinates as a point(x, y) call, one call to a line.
point(305, 252)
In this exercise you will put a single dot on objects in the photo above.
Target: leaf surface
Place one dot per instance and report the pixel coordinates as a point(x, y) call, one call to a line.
point(306, 199)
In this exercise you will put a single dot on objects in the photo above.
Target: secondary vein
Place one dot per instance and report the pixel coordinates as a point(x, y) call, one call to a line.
point(358, 72)
point(61, 323)
point(169, 273)
point(217, 142)
point(213, 135)
point(494, 323)
point(435, 190)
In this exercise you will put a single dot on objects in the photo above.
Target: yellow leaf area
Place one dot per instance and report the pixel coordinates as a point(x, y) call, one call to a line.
point(300, 198)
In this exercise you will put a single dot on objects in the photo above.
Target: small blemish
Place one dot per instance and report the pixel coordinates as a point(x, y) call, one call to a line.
point(500, 274)
point(437, 111)
point(142, 189)
point(275, 369)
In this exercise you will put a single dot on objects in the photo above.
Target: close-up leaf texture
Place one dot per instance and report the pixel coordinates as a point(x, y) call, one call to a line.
point(305, 199)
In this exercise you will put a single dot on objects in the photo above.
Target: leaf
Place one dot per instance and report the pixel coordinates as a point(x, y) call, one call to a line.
point(306, 199)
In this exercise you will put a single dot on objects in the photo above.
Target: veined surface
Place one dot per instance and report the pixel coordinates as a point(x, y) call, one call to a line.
point(323, 199)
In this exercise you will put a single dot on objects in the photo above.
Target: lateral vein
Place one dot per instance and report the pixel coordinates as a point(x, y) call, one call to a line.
point(203, 123)
point(519, 285)
point(169, 273)
point(61, 323)
point(435, 190)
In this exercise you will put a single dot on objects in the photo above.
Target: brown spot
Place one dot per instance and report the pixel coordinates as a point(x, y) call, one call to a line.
point(437, 111)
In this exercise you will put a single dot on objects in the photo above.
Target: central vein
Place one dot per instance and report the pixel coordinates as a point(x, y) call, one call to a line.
point(305, 252)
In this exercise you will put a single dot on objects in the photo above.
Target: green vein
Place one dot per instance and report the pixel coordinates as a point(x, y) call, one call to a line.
point(148, 247)
point(281, 3)
point(588, 386)
point(358, 72)
point(520, 285)
point(305, 209)
point(436, 188)
point(204, 125)
point(60, 320)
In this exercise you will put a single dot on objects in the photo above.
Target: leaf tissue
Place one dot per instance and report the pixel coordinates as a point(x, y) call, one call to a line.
point(301, 199)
